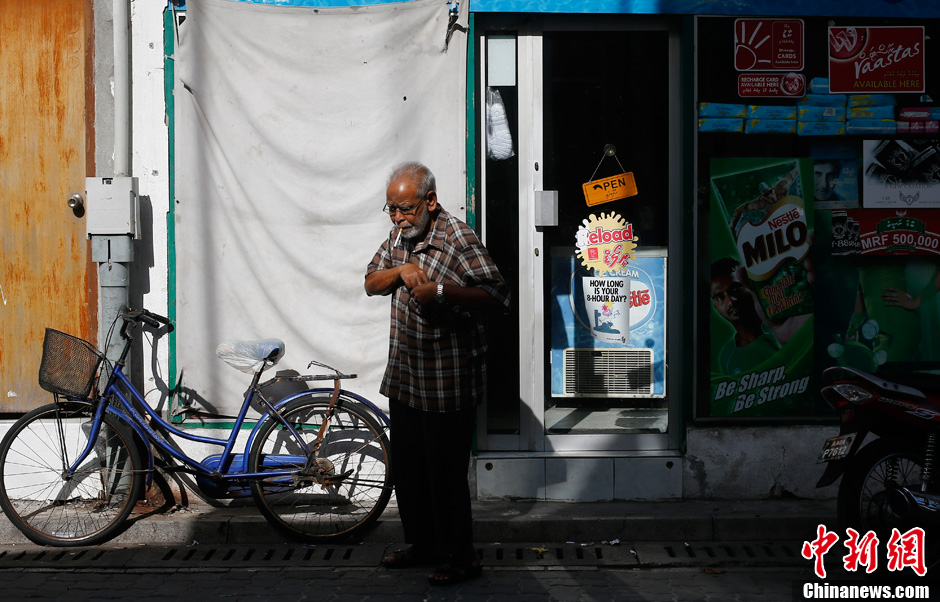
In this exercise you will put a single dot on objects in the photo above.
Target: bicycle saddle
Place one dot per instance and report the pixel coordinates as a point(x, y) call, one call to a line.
point(251, 356)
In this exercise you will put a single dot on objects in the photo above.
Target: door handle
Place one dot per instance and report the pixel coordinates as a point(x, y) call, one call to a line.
point(546, 208)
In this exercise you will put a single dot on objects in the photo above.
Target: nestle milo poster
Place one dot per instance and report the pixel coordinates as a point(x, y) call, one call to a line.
point(761, 322)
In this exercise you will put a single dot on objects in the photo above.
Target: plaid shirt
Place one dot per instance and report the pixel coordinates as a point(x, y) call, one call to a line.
point(436, 352)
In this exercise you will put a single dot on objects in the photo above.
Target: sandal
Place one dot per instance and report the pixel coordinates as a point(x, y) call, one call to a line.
point(403, 559)
point(449, 574)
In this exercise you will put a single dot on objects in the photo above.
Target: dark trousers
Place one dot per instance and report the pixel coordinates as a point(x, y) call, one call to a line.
point(430, 455)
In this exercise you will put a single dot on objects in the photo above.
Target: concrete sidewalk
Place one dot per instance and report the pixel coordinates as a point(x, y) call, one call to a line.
point(513, 521)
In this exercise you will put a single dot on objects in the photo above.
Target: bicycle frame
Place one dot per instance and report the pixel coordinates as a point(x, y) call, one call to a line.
point(316, 464)
point(228, 470)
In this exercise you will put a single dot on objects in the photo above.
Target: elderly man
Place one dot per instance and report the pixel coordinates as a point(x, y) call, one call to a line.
point(442, 282)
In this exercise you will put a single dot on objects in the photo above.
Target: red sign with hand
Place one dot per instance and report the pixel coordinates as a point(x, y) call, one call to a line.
point(768, 44)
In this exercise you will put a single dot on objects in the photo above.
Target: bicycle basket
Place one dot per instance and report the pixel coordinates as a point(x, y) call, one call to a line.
point(69, 364)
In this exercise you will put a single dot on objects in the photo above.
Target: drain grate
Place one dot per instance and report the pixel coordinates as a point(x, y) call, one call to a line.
point(719, 553)
point(532, 555)
point(210, 556)
point(262, 556)
point(550, 555)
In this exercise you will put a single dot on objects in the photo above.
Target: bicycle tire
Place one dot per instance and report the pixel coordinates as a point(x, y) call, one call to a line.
point(314, 510)
point(90, 507)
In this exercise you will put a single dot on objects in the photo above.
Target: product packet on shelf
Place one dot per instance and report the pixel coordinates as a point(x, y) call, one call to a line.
point(819, 85)
point(914, 114)
point(822, 113)
point(821, 128)
point(720, 124)
point(872, 126)
point(874, 112)
point(918, 127)
point(871, 100)
point(771, 112)
point(770, 126)
point(718, 109)
point(823, 100)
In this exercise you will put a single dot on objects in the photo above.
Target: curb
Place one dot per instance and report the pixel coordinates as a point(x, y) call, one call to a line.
point(510, 521)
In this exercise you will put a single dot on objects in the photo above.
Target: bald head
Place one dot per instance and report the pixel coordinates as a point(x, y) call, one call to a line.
point(418, 174)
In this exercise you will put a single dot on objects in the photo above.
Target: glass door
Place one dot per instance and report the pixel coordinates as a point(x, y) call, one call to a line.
point(591, 105)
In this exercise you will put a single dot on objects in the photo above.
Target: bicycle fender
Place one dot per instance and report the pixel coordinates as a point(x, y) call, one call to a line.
point(142, 437)
point(343, 395)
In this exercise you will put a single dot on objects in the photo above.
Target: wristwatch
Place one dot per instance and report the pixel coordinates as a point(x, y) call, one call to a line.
point(439, 297)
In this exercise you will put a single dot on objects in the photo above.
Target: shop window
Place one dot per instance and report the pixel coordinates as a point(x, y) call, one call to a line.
point(821, 188)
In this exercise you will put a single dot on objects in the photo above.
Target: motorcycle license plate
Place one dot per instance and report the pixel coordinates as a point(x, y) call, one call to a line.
point(836, 448)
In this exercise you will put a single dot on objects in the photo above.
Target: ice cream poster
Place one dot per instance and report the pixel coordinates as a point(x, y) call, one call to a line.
point(637, 310)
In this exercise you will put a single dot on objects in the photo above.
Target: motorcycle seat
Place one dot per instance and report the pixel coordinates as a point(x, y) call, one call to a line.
point(925, 382)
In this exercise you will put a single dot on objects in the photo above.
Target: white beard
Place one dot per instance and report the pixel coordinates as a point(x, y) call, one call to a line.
point(418, 229)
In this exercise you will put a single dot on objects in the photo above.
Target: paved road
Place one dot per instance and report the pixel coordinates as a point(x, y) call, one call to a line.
point(358, 584)
point(349, 573)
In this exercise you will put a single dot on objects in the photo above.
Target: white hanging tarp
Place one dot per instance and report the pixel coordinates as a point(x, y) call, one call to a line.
point(288, 122)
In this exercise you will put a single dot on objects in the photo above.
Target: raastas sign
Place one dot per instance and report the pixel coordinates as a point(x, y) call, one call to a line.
point(871, 60)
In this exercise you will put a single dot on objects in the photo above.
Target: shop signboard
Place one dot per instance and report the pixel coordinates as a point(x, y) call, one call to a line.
point(761, 326)
point(868, 60)
point(768, 44)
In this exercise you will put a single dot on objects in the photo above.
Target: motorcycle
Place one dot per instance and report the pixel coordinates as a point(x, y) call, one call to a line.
point(891, 481)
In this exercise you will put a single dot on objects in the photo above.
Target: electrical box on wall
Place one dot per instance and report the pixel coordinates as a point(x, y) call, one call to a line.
point(113, 206)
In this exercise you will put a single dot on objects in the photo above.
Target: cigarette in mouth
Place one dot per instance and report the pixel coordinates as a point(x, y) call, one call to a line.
point(397, 240)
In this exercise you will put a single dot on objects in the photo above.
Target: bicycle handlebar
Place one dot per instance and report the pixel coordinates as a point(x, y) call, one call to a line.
point(147, 317)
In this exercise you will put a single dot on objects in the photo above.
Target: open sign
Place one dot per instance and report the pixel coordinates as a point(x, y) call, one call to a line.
point(609, 189)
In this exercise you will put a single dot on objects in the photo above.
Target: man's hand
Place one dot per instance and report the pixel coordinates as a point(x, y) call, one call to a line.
point(412, 276)
point(425, 293)
point(383, 282)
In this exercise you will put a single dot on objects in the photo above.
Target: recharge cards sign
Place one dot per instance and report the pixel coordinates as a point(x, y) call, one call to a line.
point(768, 44)
point(876, 59)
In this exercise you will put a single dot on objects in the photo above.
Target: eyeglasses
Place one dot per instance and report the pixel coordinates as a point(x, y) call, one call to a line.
point(391, 209)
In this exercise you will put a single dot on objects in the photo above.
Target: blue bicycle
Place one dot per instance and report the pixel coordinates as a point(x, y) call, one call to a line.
point(316, 462)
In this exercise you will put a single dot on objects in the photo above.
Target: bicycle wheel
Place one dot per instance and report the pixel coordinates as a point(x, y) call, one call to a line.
point(85, 509)
point(346, 483)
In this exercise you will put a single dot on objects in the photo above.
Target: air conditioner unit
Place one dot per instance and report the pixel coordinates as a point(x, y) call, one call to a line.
point(608, 372)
